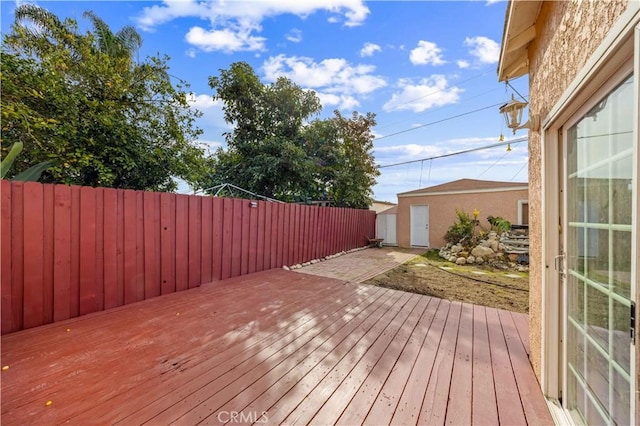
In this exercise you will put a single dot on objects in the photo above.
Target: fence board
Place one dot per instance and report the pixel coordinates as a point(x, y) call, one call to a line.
point(130, 225)
point(34, 255)
point(151, 289)
point(195, 241)
point(70, 250)
point(227, 238)
point(110, 260)
point(207, 240)
point(99, 249)
point(6, 257)
point(253, 238)
point(139, 280)
point(277, 235)
point(246, 222)
point(17, 250)
point(182, 242)
point(47, 246)
point(236, 242)
point(260, 231)
point(167, 243)
point(218, 212)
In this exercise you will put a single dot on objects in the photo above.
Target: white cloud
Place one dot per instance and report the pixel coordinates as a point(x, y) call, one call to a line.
point(342, 102)
point(463, 64)
point(203, 102)
point(429, 92)
point(490, 2)
point(294, 36)
point(336, 80)
point(407, 152)
point(191, 52)
point(234, 24)
point(225, 40)
point(427, 53)
point(484, 49)
point(369, 49)
point(209, 146)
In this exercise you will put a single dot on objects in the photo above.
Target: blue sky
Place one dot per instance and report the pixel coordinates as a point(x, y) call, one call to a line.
point(415, 64)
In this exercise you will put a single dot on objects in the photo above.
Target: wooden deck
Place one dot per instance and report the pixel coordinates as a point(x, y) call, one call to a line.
point(276, 347)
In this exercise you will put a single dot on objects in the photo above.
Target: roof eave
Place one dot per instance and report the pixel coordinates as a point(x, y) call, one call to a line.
point(519, 31)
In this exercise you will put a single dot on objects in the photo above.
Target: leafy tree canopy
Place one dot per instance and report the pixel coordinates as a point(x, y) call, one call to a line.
point(278, 150)
point(83, 102)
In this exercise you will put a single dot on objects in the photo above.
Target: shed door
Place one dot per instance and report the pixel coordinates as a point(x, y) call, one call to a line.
point(386, 228)
point(420, 226)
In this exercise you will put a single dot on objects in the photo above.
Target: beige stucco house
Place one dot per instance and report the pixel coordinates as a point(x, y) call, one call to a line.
point(424, 215)
point(380, 206)
point(583, 63)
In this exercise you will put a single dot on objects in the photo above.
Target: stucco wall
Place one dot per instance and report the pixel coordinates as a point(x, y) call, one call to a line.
point(442, 211)
point(567, 33)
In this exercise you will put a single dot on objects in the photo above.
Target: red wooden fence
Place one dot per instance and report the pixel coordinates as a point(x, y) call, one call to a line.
point(69, 250)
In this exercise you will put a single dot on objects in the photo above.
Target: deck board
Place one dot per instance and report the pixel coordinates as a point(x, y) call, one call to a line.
point(275, 346)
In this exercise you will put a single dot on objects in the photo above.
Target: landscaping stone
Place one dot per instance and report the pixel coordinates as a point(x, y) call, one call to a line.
point(456, 249)
point(286, 268)
point(453, 259)
point(471, 259)
point(461, 261)
point(479, 261)
point(483, 252)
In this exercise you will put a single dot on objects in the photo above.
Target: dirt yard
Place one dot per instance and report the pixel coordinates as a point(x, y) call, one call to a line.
point(472, 284)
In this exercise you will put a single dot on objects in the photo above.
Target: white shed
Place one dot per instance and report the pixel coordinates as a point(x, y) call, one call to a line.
point(386, 226)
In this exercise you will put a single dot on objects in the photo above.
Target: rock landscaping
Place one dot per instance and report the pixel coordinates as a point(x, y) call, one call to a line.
point(509, 250)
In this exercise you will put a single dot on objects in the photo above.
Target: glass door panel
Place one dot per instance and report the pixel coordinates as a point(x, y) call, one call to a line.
point(599, 236)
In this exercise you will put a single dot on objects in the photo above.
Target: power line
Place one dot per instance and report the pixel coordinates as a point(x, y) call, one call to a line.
point(491, 166)
point(480, 148)
point(432, 110)
point(439, 91)
point(439, 121)
point(518, 172)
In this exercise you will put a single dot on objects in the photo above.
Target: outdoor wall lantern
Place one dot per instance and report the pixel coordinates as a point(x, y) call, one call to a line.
point(512, 112)
point(253, 204)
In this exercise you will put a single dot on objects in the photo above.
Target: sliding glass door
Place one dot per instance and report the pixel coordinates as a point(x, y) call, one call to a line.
point(599, 185)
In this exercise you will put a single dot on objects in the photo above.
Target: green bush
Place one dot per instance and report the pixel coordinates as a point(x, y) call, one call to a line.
point(499, 224)
point(462, 228)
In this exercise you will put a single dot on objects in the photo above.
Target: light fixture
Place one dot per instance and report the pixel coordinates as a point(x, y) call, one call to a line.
point(508, 147)
point(512, 112)
point(253, 204)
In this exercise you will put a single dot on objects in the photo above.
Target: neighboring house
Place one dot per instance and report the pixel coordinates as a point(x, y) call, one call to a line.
point(380, 206)
point(386, 226)
point(424, 215)
point(583, 62)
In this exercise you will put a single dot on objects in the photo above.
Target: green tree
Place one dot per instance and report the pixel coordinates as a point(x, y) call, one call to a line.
point(82, 101)
point(275, 151)
point(265, 150)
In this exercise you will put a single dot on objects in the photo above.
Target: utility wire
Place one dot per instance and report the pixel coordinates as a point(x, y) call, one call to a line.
point(480, 148)
point(491, 166)
point(518, 172)
point(438, 121)
point(432, 110)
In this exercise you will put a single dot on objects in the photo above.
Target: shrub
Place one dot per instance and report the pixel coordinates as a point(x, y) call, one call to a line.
point(462, 228)
point(499, 224)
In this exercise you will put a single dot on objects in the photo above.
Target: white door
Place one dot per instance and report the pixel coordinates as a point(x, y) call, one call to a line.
point(391, 230)
point(599, 368)
point(420, 226)
point(386, 228)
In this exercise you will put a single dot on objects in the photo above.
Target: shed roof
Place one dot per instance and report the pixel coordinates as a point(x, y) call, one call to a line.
point(466, 185)
point(392, 210)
